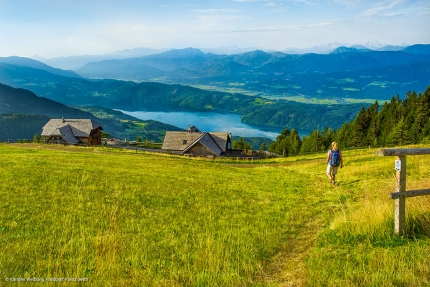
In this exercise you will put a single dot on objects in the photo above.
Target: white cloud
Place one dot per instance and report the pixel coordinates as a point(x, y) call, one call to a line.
point(307, 2)
point(275, 11)
point(215, 11)
point(167, 23)
point(396, 9)
point(381, 8)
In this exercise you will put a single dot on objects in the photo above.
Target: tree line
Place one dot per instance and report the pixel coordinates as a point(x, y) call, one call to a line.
point(20, 126)
point(398, 122)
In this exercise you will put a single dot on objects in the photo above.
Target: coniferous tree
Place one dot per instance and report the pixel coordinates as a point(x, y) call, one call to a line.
point(373, 129)
point(398, 122)
point(36, 138)
point(234, 144)
point(398, 135)
point(328, 137)
point(343, 135)
point(422, 114)
point(240, 143)
point(287, 143)
point(280, 146)
point(263, 147)
point(247, 146)
point(390, 115)
point(316, 141)
point(360, 126)
point(294, 142)
point(306, 145)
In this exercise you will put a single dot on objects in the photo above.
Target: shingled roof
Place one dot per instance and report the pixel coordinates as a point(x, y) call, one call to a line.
point(221, 138)
point(66, 133)
point(184, 141)
point(208, 142)
point(179, 140)
point(78, 127)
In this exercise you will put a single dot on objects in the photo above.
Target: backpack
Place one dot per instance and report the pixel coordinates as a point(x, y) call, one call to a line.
point(335, 158)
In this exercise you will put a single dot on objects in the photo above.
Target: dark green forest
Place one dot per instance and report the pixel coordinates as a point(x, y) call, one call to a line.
point(398, 122)
point(14, 127)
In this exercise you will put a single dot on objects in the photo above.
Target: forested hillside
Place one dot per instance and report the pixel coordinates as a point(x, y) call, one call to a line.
point(15, 127)
point(23, 101)
point(21, 61)
point(398, 122)
point(133, 96)
point(23, 114)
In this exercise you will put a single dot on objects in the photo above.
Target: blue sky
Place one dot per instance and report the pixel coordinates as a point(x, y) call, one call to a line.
point(51, 28)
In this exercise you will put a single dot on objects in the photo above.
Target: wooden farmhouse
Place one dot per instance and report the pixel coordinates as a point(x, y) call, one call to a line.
point(72, 131)
point(195, 143)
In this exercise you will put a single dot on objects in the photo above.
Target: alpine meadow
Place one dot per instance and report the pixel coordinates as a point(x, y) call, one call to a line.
point(227, 143)
point(116, 217)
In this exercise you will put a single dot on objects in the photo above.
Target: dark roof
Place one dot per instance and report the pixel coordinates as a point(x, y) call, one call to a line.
point(193, 129)
point(184, 141)
point(66, 134)
point(221, 138)
point(208, 142)
point(78, 127)
point(179, 140)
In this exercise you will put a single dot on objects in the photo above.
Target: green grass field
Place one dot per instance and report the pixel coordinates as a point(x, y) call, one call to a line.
point(120, 218)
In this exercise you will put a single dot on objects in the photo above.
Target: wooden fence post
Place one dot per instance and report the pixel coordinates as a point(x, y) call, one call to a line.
point(400, 203)
point(401, 193)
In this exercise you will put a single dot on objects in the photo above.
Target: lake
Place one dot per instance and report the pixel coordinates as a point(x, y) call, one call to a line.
point(210, 122)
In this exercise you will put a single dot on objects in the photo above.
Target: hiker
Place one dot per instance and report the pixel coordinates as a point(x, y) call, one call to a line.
point(334, 160)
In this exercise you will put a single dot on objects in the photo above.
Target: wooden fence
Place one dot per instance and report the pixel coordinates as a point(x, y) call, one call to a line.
point(401, 193)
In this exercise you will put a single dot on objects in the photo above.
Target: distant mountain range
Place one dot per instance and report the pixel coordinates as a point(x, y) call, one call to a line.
point(165, 79)
point(346, 72)
point(76, 62)
point(328, 48)
point(26, 62)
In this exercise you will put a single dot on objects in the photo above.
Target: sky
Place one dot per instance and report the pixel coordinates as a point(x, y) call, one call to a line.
point(54, 28)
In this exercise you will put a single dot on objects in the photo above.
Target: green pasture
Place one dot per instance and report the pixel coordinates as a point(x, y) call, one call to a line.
point(121, 218)
point(364, 101)
point(233, 88)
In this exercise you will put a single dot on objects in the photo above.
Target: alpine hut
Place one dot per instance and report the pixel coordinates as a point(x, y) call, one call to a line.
point(196, 143)
point(72, 131)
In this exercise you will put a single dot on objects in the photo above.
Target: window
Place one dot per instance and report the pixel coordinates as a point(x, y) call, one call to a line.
point(184, 142)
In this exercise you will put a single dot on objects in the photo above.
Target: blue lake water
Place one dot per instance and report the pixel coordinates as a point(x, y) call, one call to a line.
point(210, 122)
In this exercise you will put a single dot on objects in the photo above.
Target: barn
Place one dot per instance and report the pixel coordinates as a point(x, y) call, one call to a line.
point(196, 143)
point(72, 131)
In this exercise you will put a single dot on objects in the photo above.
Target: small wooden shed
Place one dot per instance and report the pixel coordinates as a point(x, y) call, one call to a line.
point(72, 131)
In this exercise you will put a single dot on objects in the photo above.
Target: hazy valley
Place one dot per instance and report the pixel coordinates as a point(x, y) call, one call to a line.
point(302, 91)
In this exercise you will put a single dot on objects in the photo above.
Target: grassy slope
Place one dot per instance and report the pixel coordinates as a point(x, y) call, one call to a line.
point(122, 219)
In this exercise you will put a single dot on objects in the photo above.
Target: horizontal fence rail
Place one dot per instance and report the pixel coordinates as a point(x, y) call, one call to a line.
point(409, 193)
point(402, 151)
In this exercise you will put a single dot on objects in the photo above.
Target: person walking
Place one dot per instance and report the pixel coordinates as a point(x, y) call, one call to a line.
point(334, 161)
